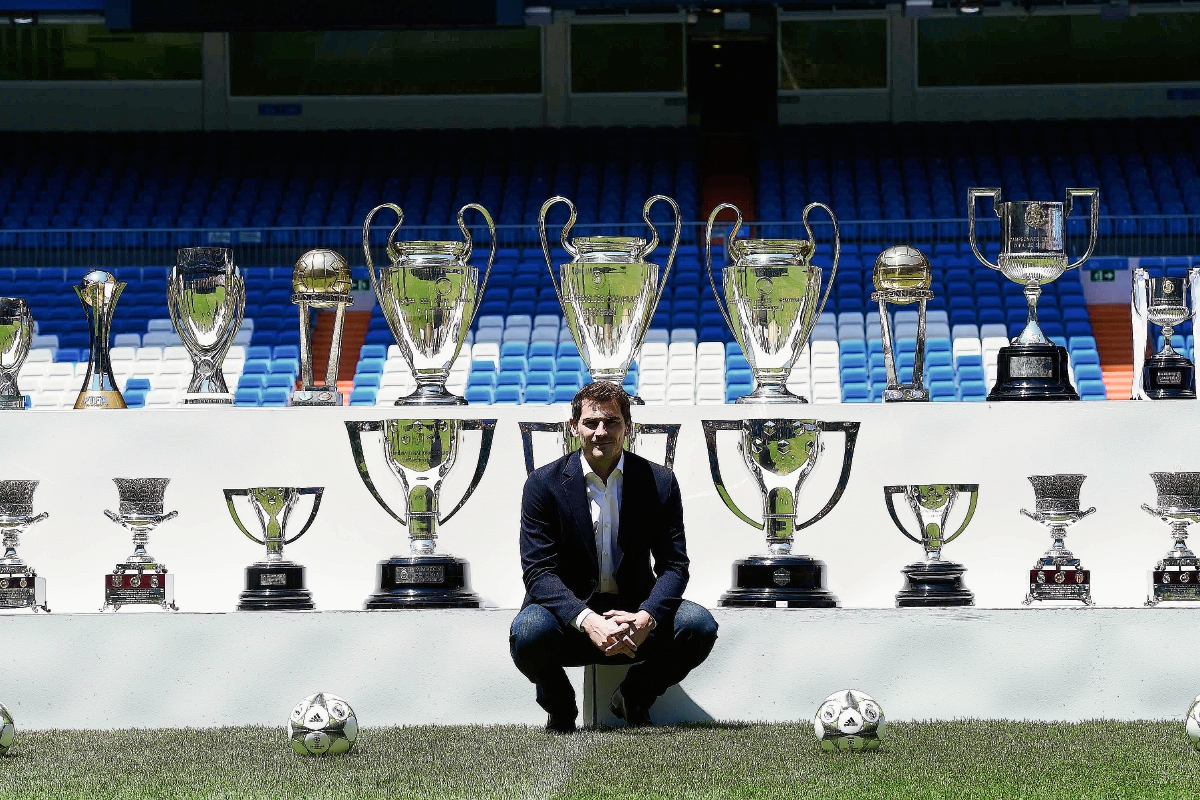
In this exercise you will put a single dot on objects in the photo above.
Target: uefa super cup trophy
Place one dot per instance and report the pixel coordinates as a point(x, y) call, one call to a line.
point(16, 334)
point(1058, 574)
point(140, 579)
point(99, 292)
point(773, 299)
point(1177, 575)
point(570, 441)
point(274, 583)
point(1167, 374)
point(429, 295)
point(420, 454)
point(206, 296)
point(934, 581)
point(780, 454)
point(20, 586)
point(608, 291)
point(903, 276)
point(1033, 253)
point(321, 279)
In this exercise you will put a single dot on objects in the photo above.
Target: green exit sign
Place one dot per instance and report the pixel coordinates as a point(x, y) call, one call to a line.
point(364, 284)
point(1103, 275)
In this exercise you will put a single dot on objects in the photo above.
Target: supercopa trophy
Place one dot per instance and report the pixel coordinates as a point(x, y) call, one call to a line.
point(1058, 574)
point(933, 582)
point(320, 279)
point(20, 586)
point(420, 453)
point(903, 276)
point(206, 297)
point(1177, 575)
point(608, 291)
point(430, 295)
point(780, 454)
point(99, 292)
point(772, 299)
point(274, 584)
point(16, 334)
point(140, 579)
point(570, 442)
point(1032, 253)
point(1166, 375)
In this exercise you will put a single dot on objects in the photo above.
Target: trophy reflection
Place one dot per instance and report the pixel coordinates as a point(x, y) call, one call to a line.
point(140, 579)
point(16, 335)
point(275, 583)
point(1177, 575)
point(934, 581)
point(1167, 375)
point(20, 585)
point(1058, 574)
point(569, 442)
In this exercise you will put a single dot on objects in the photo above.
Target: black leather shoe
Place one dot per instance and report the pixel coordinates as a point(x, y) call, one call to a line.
point(635, 716)
point(560, 724)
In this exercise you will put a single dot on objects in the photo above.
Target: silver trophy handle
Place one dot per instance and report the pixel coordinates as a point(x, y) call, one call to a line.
point(973, 488)
point(671, 430)
point(837, 253)
point(649, 248)
point(355, 429)
point(1093, 219)
point(527, 431)
point(888, 493)
point(237, 520)
point(851, 431)
point(387, 245)
point(1139, 312)
point(974, 193)
point(319, 491)
point(711, 426)
point(712, 218)
point(562, 239)
point(488, 426)
point(156, 520)
point(491, 256)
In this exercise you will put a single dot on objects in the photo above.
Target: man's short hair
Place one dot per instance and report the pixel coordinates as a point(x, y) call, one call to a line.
point(601, 392)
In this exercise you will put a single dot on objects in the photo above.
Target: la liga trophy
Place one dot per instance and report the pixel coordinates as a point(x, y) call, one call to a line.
point(206, 297)
point(570, 442)
point(16, 335)
point(20, 585)
point(934, 581)
point(1177, 575)
point(1058, 574)
point(1167, 375)
point(902, 276)
point(99, 292)
point(320, 280)
point(274, 583)
point(140, 579)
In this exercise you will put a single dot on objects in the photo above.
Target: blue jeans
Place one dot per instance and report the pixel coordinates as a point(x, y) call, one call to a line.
point(541, 646)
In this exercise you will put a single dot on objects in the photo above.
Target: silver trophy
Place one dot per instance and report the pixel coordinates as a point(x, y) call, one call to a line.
point(140, 579)
point(1058, 574)
point(1167, 374)
point(934, 581)
point(773, 299)
point(16, 334)
point(430, 295)
point(99, 292)
point(902, 276)
point(1177, 575)
point(206, 296)
point(571, 443)
point(274, 583)
point(20, 586)
point(420, 454)
point(608, 291)
point(320, 280)
point(780, 454)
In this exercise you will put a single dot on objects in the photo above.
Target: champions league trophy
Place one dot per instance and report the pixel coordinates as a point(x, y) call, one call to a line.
point(933, 582)
point(1032, 253)
point(20, 586)
point(773, 299)
point(608, 291)
point(903, 276)
point(321, 279)
point(420, 453)
point(207, 299)
point(1166, 375)
point(274, 584)
point(16, 334)
point(1176, 576)
point(429, 295)
point(1058, 575)
point(140, 579)
point(570, 442)
point(99, 292)
point(780, 454)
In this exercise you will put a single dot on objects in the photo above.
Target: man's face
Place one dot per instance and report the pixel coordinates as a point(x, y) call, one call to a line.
point(601, 429)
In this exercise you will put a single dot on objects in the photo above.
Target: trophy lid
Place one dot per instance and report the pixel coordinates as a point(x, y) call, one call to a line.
point(1177, 490)
point(16, 498)
point(902, 267)
point(141, 497)
point(321, 272)
point(1057, 493)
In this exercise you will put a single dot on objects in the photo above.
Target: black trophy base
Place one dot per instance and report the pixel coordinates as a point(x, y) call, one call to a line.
point(782, 581)
point(422, 582)
point(932, 584)
point(1169, 377)
point(1032, 372)
point(275, 587)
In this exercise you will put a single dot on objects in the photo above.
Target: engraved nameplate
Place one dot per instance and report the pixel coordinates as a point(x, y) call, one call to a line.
point(1171, 378)
point(1031, 367)
point(17, 598)
point(417, 574)
point(272, 579)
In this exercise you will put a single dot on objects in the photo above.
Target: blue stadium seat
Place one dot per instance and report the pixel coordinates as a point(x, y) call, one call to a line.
point(137, 385)
point(274, 397)
point(479, 394)
point(538, 394)
point(507, 394)
point(363, 396)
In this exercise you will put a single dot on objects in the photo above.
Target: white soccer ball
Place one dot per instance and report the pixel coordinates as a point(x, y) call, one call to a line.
point(849, 720)
point(322, 724)
point(1192, 723)
point(8, 730)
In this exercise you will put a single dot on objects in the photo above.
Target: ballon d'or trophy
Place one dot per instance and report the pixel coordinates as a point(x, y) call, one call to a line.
point(140, 579)
point(20, 586)
point(206, 296)
point(430, 295)
point(903, 276)
point(1058, 574)
point(99, 292)
point(320, 280)
point(1177, 575)
point(570, 442)
point(608, 290)
point(934, 581)
point(1166, 375)
point(780, 454)
point(274, 584)
point(420, 454)
point(773, 299)
point(1033, 253)
point(16, 334)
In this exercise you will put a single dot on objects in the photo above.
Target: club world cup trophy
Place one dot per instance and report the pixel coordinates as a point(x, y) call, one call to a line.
point(570, 442)
point(429, 295)
point(274, 584)
point(1176, 576)
point(780, 454)
point(206, 296)
point(320, 280)
point(99, 292)
point(1167, 375)
point(773, 299)
point(608, 291)
point(1033, 253)
point(420, 454)
point(1058, 575)
point(140, 579)
point(933, 582)
point(20, 586)
point(903, 276)
point(16, 334)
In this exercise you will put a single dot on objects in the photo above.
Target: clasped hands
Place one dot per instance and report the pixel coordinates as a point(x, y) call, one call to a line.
point(617, 632)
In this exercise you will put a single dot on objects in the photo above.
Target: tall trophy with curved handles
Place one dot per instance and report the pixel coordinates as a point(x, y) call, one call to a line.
point(1166, 302)
point(206, 296)
point(420, 454)
point(570, 441)
point(780, 454)
point(934, 581)
point(773, 299)
point(1033, 253)
point(608, 291)
point(274, 583)
point(429, 295)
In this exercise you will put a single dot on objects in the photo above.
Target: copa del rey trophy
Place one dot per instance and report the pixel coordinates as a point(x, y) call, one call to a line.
point(1058, 574)
point(772, 299)
point(902, 276)
point(320, 280)
point(934, 581)
point(569, 441)
point(1167, 375)
point(99, 292)
point(20, 585)
point(1177, 575)
point(274, 583)
point(140, 579)
point(16, 334)
point(206, 297)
